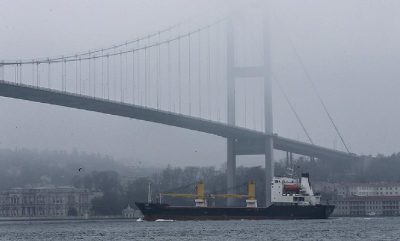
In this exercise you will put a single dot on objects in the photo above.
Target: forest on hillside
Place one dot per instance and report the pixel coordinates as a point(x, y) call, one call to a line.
point(32, 168)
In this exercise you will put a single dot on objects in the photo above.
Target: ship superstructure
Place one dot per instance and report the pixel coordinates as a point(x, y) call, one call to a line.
point(293, 191)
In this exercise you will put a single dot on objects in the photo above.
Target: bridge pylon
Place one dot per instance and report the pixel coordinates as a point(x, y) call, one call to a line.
point(261, 71)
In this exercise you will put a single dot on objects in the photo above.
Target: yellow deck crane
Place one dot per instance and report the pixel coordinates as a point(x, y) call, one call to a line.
point(201, 200)
point(251, 200)
point(199, 197)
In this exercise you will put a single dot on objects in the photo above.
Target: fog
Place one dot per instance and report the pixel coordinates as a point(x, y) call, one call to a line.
point(349, 48)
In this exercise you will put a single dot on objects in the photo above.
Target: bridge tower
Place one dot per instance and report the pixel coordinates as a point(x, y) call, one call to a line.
point(261, 71)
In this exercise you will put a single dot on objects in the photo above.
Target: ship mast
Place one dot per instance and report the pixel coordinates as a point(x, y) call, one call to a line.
point(149, 193)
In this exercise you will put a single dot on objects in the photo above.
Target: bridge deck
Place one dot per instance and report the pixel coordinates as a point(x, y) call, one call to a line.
point(252, 140)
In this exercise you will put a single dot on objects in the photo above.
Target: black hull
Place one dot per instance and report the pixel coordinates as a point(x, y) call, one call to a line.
point(153, 211)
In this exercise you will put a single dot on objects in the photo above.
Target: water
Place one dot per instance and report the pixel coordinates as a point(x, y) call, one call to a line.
point(331, 229)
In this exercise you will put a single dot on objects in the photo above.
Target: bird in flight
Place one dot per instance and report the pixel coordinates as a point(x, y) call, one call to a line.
point(80, 169)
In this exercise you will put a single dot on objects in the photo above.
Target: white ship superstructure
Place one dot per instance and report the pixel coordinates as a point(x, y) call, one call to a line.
point(287, 190)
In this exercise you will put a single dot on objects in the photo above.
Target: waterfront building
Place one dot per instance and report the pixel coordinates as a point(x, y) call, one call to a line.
point(367, 199)
point(45, 202)
point(368, 189)
point(367, 206)
point(129, 212)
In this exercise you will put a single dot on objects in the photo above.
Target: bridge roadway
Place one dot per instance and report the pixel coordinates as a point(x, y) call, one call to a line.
point(248, 142)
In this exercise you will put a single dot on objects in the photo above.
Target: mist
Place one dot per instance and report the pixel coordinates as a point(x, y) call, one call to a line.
point(350, 49)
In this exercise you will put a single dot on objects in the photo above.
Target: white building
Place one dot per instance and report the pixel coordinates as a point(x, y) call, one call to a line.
point(129, 212)
point(45, 202)
point(367, 206)
point(368, 189)
point(367, 199)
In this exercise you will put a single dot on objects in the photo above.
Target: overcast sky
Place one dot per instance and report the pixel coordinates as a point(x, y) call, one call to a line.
point(350, 48)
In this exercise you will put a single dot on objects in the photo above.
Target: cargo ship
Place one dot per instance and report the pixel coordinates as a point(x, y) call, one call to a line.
point(291, 198)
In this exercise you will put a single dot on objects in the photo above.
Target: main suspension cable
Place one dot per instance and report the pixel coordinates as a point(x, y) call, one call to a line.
point(314, 88)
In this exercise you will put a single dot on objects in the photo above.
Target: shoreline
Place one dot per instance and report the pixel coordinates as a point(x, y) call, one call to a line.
point(94, 218)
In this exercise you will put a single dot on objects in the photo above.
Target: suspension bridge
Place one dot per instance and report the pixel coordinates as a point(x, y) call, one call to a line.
point(180, 77)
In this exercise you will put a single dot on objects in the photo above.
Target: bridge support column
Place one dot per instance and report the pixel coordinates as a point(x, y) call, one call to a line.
point(269, 156)
point(291, 160)
point(231, 169)
point(231, 154)
point(263, 71)
point(287, 160)
point(269, 169)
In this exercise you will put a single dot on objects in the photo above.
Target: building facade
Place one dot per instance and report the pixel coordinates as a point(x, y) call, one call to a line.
point(367, 206)
point(45, 202)
point(367, 199)
point(372, 189)
point(129, 212)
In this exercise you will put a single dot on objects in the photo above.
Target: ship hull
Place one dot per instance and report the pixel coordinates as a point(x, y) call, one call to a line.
point(153, 211)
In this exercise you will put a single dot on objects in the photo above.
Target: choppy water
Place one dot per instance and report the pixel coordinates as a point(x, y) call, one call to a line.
point(331, 229)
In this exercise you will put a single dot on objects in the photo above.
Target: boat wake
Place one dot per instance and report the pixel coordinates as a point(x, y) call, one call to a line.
point(165, 220)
